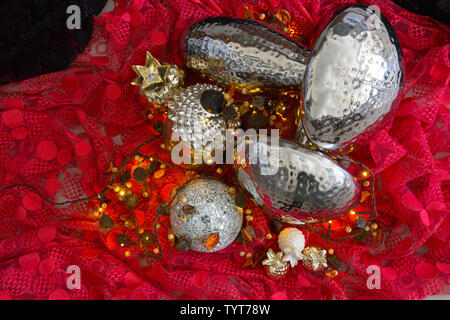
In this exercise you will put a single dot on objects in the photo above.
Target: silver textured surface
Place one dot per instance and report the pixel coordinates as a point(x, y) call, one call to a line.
point(352, 80)
point(215, 212)
point(244, 53)
point(192, 123)
point(308, 186)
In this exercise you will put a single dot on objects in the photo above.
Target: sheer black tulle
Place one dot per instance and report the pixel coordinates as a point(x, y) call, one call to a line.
point(34, 38)
point(437, 9)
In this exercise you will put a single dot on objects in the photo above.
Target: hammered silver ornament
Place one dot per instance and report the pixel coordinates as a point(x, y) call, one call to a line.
point(295, 184)
point(195, 116)
point(352, 81)
point(205, 214)
point(244, 53)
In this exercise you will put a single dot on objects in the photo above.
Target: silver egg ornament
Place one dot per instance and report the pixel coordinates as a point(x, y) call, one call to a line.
point(352, 81)
point(295, 184)
point(205, 214)
point(244, 53)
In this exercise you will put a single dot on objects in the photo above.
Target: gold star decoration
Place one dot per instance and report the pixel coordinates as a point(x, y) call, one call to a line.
point(274, 260)
point(314, 258)
point(275, 266)
point(157, 81)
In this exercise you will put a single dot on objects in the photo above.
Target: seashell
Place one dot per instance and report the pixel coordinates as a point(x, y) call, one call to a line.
point(292, 242)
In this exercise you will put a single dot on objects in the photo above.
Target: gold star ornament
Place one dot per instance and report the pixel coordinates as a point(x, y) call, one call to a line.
point(158, 82)
point(274, 264)
point(314, 258)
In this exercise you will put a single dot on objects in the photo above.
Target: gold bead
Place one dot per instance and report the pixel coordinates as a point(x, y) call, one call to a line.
point(170, 236)
point(156, 251)
point(330, 251)
point(219, 170)
point(116, 188)
point(249, 218)
point(268, 236)
point(367, 228)
point(348, 229)
point(159, 173)
point(262, 16)
point(226, 96)
point(273, 117)
point(334, 273)
point(374, 226)
point(374, 234)
point(366, 183)
point(162, 166)
point(114, 169)
point(95, 213)
point(104, 205)
point(232, 190)
point(128, 184)
point(145, 194)
point(127, 253)
point(158, 226)
point(242, 253)
point(248, 211)
point(150, 116)
point(136, 158)
point(248, 255)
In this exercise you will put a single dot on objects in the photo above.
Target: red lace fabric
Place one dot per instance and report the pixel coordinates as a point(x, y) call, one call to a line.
point(61, 131)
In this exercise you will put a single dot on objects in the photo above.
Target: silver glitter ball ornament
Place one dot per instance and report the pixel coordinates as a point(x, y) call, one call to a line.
point(244, 53)
point(204, 213)
point(353, 80)
point(195, 116)
point(295, 184)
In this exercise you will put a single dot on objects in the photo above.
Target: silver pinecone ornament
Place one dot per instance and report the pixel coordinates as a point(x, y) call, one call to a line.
point(199, 117)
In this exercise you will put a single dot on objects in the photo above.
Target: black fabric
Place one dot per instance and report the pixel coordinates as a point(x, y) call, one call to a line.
point(437, 9)
point(34, 38)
